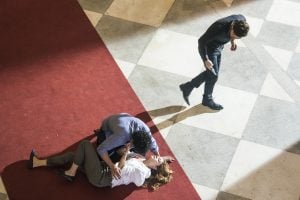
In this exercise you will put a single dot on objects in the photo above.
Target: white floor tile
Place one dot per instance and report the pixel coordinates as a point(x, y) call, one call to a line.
point(232, 119)
point(271, 88)
point(173, 52)
point(285, 11)
point(126, 67)
point(206, 193)
point(255, 25)
point(263, 173)
point(297, 82)
point(298, 47)
point(149, 12)
point(281, 56)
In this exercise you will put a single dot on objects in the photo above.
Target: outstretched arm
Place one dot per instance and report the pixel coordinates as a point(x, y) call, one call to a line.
point(168, 158)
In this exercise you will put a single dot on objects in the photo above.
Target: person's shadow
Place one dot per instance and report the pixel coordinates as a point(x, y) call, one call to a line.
point(179, 115)
point(45, 183)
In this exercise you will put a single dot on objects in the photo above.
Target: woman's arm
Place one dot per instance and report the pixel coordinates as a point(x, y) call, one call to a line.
point(168, 158)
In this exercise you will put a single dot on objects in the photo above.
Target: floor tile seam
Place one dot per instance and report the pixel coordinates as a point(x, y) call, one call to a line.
point(269, 146)
point(214, 132)
point(189, 78)
point(272, 67)
point(160, 70)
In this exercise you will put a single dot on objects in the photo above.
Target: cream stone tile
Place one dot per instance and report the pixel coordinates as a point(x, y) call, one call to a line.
point(285, 11)
point(232, 119)
point(173, 52)
point(3, 196)
point(206, 193)
point(149, 12)
point(281, 56)
point(94, 17)
point(255, 25)
point(262, 173)
point(126, 67)
point(228, 2)
point(2, 187)
point(271, 88)
point(298, 47)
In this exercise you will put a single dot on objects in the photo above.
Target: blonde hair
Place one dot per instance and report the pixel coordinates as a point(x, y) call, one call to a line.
point(161, 176)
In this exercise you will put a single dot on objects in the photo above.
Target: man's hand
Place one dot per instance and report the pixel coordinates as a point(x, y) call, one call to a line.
point(115, 172)
point(208, 64)
point(156, 153)
point(233, 45)
point(125, 149)
point(168, 158)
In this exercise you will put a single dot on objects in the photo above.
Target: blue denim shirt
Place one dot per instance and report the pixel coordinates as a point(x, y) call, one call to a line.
point(118, 129)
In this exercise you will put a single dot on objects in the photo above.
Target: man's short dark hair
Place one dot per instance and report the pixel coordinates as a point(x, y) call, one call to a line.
point(141, 142)
point(240, 28)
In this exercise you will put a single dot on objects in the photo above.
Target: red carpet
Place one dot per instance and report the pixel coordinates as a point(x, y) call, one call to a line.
point(57, 82)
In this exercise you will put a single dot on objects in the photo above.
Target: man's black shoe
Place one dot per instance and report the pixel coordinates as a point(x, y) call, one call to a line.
point(211, 104)
point(186, 91)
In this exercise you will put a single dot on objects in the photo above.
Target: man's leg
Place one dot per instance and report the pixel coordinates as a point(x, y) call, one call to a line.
point(187, 87)
point(210, 82)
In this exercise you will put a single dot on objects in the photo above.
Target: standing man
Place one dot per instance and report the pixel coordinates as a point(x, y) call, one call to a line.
point(118, 130)
point(210, 46)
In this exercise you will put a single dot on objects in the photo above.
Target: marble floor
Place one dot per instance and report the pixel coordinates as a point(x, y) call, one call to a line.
point(249, 150)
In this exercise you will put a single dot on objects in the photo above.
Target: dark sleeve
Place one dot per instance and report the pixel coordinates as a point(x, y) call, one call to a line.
point(211, 33)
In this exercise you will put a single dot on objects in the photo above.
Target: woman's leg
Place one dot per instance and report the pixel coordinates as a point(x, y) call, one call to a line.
point(86, 157)
point(60, 160)
point(53, 161)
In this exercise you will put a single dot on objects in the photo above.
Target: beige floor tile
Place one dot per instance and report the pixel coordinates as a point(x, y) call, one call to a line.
point(262, 173)
point(94, 17)
point(2, 188)
point(149, 12)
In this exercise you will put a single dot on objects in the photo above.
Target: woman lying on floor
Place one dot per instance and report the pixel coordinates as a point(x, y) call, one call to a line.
point(135, 170)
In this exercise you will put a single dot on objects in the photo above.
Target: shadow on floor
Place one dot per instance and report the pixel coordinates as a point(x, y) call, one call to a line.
point(45, 183)
point(177, 117)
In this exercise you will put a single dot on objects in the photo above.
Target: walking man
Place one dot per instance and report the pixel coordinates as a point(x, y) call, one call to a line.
point(210, 46)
